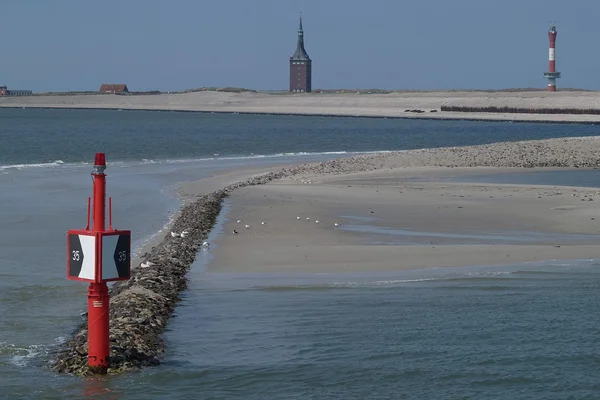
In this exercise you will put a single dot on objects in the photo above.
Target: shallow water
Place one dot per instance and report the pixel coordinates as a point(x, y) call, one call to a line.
point(503, 332)
point(514, 331)
point(581, 178)
point(412, 237)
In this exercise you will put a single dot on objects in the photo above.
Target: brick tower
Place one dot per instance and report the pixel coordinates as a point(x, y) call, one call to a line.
point(300, 66)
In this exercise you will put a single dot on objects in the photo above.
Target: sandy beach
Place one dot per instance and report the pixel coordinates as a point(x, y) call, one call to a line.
point(344, 103)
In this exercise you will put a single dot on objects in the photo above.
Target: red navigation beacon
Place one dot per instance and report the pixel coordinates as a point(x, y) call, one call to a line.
point(98, 255)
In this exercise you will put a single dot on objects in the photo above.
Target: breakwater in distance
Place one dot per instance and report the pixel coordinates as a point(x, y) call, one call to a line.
point(520, 110)
point(141, 307)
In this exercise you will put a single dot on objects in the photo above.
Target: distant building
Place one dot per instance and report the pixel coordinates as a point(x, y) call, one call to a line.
point(113, 88)
point(4, 91)
point(300, 66)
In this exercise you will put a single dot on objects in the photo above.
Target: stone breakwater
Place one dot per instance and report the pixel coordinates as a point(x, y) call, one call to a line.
point(142, 306)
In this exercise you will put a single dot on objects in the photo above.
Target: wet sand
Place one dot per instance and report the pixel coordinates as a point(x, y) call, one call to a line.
point(389, 223)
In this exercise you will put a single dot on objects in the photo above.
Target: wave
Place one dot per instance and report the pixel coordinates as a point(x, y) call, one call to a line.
point(19, 167)
point(276, 155)
point(333, 285)
point(214, 157)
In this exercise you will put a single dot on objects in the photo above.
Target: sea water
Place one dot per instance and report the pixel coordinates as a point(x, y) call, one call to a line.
point(512, 331)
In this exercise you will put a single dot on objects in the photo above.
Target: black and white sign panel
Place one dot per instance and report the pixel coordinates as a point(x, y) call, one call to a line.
point(116, 256)
point(82, 256)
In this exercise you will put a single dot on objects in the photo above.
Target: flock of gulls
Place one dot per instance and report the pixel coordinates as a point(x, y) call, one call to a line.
point(207, 245)
point(247, 226)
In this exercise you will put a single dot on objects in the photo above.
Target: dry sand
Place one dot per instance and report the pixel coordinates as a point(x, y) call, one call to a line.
point(342, 104)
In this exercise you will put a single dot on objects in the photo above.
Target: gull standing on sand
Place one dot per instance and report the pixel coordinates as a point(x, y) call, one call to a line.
point(263, 223)
point(239, 221)
point(247, 226)
point(235, 232)
point(298, 217)
point(336, 224)
point(317, 221)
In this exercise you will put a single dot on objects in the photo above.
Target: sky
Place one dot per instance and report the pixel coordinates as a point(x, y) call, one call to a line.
point(67, 45)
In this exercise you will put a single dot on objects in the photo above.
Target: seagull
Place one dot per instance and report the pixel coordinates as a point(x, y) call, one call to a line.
point(146, 264)
point(239, 221)
point(247, 226)
point(317, 221)
point(184, 234)
point(175, 234)
point(263, 223)
point(308, 218)
point(298, 218)
point(336, 224)
point(205, 245)
point(235, 232)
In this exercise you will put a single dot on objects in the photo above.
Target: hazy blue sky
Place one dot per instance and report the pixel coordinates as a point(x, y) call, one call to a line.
point(395, 44)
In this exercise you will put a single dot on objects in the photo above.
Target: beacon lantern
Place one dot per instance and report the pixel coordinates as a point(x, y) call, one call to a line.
point(98, 255)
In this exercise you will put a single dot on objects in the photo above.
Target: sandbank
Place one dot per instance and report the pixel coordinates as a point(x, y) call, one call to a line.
point(400, 211)
point(389, 223)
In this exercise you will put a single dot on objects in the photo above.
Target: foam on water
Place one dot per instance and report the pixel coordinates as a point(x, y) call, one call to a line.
point(21, 356)
point(121, 163)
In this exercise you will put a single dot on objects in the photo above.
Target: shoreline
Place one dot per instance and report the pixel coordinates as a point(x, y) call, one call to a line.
point(391, 105)
point(142, 306)
point(468, 116)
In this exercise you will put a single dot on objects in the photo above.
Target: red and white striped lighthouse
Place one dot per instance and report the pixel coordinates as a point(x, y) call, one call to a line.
point(551, 75)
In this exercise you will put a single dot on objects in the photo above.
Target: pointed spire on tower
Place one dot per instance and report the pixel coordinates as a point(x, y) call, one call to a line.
point(300, 53)
point(300, 66)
